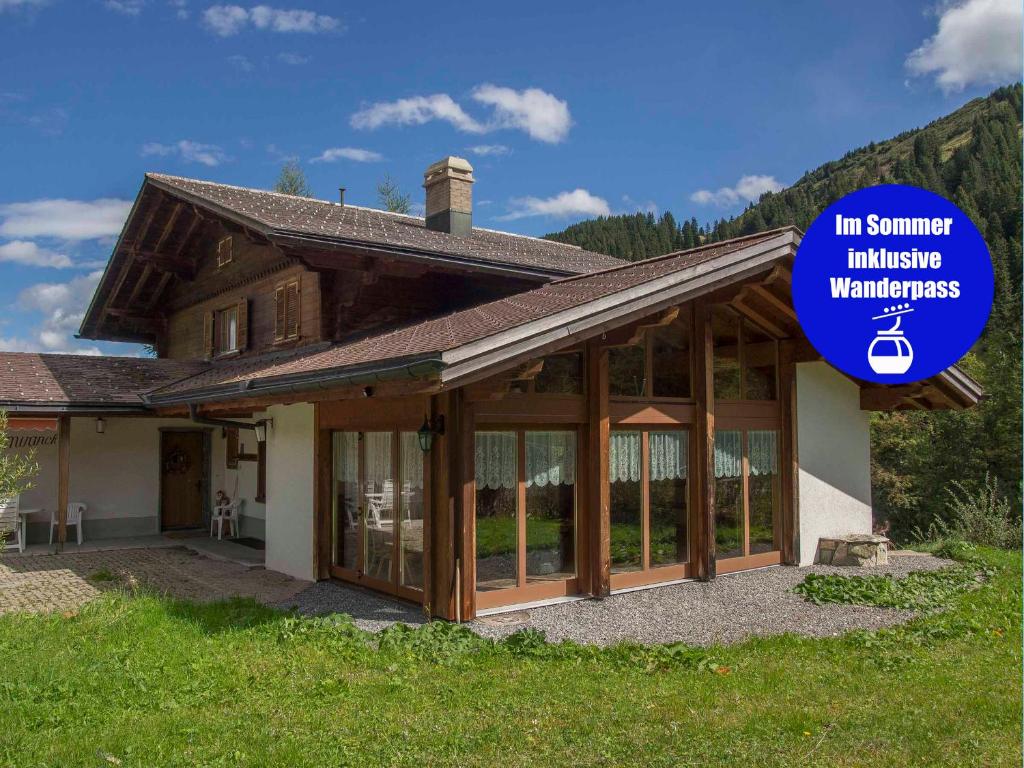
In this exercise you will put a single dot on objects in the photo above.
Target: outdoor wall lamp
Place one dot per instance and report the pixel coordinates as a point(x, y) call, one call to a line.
point(430, 428)
point(101, 425)
point(260, 428)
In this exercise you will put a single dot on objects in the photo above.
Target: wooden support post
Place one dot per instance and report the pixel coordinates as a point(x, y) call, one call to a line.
point(789, 465)
point(704, 444)
point(441, 587)
point(63, 477)
point(323, 487)
point(464, 488)
point(599, 492)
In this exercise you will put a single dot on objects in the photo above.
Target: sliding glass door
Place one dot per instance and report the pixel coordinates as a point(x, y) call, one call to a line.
point(525, 518)
point(650, 506)
point(379, 499)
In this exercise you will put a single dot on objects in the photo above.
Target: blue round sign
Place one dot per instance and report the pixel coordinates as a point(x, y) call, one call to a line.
point(892, 284)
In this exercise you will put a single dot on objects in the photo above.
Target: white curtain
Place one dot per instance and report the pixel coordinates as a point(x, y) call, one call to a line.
point(412, 461)
point(669, 455)
point(762, 444)
point(495, 460)
point(346, 453)
point(377, 460)
point(728, 453)
point(624, 457)
point(550, 458)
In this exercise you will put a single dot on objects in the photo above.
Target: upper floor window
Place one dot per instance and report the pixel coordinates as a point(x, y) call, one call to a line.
point(224, 251)
point(286, 311)
point(745, 358)
point(561, 375)
point(227, 330)
point(657, 366)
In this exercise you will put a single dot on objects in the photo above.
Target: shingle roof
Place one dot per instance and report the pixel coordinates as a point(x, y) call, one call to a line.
point(433, 337)
point(55, 381)
point(332, 221)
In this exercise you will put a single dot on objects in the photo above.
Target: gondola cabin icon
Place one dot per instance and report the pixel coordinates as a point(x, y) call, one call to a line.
point(890, 351)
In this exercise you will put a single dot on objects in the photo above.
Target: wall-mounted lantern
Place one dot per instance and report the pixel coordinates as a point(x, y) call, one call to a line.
point(260, 428)
point(430, 429)
point(101, 425)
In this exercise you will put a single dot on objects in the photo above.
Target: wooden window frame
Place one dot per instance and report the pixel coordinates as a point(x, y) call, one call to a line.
point(740, 320)
point(220, 316)
point(647, 344)
point(225, 251)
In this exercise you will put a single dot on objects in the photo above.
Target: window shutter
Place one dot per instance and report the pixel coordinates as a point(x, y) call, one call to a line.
point(208, 341)
point(292, 314)
point(243, 324)
point(231, 458)
point(279, 313)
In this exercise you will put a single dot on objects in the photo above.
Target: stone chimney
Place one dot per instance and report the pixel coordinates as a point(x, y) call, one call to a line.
point(449, 185)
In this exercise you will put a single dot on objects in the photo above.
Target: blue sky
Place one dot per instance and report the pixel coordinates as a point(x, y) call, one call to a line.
point(566, 110)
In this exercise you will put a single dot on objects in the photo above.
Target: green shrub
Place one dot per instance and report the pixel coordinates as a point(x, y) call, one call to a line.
point(982, 517)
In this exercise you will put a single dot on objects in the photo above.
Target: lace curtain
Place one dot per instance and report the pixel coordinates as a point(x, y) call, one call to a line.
point(669, 456)
point(550, 459)
point(762, 446)
point(412, 461)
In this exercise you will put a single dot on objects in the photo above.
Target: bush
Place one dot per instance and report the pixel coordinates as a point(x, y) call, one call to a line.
point(983, 517)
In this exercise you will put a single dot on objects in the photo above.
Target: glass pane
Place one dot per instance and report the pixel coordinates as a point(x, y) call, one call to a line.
point(758, 363)
point(561, 375)
point(627, 372)
point(411, 506)
point(550, 506)
point(669, 497)
point(626, 501)
point(497, 535)
point(345, 495)
point(725, 331)
point(763, 486)
point(670, 350)
point(378, 505)
point(728, 493)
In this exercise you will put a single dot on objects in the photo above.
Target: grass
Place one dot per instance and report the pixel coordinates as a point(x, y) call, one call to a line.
point(145, 681)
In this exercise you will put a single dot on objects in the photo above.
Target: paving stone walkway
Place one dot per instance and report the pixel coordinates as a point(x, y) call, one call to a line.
point(65, 582)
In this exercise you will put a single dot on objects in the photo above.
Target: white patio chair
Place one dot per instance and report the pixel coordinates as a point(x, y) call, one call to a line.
point(229, 513)
point(381, 506)
point(10, 524)
point(75, 511)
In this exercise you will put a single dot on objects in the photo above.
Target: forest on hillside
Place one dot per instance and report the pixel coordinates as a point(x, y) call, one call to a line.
point(972, 157)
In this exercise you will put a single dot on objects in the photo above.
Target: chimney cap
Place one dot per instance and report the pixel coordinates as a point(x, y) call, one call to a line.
point(449, 166)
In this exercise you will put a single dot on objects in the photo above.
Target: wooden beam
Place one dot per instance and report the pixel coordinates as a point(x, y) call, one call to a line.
point(886, 398)
point(63, 477)
point(774, 301)
point(789, 474)
point(704, 444)
point(139, 285)
point(168, 227)
point(464, 489)
point(165, 278)
point(179, 266)
point(766, 324)
point(139, 323)
point(197, 220)
point(440, 590)
point(599, 426)
point(781, 274)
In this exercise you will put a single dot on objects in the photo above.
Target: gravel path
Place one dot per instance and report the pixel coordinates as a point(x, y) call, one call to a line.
point(727, 610)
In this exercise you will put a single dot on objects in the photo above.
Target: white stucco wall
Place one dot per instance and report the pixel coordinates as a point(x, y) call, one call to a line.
point(834, 451)
point(117, 474)
point(290, 488)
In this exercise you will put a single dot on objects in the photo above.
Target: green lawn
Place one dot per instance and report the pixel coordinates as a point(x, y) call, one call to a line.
point(143, 681)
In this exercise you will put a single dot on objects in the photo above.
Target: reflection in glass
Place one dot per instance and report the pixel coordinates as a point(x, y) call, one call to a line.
point(670, 359)
point(627, 374)
point(345, 499)
point(763, 487)
point(411, 507)
point(550, 505)
point(759, 350)
point(669, 498)
point(725, 332)
point(497, 536)
point(561, 375)
point(626, 501)
point(378, 505)
point(728, 493)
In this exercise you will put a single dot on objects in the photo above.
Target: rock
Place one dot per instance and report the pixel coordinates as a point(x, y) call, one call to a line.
point(856, 549)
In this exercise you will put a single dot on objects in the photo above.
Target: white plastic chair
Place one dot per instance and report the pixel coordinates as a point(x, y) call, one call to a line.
point(10, 524)
point(75, 511)
point(381, 504)
point(229, 513)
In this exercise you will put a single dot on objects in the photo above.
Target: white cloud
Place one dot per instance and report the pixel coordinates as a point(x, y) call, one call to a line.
point(14, 5)
point(535, 112)
point(29, 253)
point(62, 305)
point(978, 41)
point(127, 7)
point(748, 188)
point(354, 154)
point(228, 20)
point(64, 219)
point(293, 59)
point(539, 114)
point(190, 151)
point(241, 63)
point(489, 150)
point(416, 110)
point(181, 7)
point(579, 202)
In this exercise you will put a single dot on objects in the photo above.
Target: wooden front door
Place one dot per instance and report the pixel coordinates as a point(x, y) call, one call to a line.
point(181, 479)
